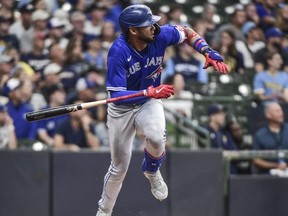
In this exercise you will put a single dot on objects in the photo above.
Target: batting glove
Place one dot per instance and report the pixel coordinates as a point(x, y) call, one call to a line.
point(162, 91)
point(214, 59)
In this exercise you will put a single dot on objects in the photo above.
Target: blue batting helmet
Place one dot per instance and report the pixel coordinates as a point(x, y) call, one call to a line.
point(137, 16)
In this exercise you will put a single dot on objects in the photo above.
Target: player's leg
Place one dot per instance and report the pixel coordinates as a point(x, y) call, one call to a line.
point(121, 128)
point(151, 121)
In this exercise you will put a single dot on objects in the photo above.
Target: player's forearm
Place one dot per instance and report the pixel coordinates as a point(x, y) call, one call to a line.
point(196, 41)
point(131, 101)
point(265, 164)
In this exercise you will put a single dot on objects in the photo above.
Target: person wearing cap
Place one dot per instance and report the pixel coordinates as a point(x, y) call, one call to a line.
point(250, 45)
point(56, 33)
point(46, 128)
point(78, 22)
point(6, 63)
point(6, 39)
point(22, 27)
point(7, 130)
point(51, 77)
point(271, 85)
point(273, 44)
point(17, 108)
point(40, 20)
point(216, 122)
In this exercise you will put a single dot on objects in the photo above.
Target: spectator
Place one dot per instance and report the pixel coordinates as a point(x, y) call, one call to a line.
point(7, 10)
point(181, 101)
point(282, 18)
point(272, 84)
point(96, 19)
point(37, 58)
point(40, 21)
point(164, 17)
point(7, 130)
point(238, 18)
point(51, 77)
point(227, 48)
point(207, 21)
point(93, 54)
point(235, 133)
point(56, 33)
point(250, 45)
point(266, 10)
point(46, 128)
point(17, 108)
point(75, 65)
point(273, 44)
point(185, 63)
point(174, 16)
point(76, 132)
point(273, 136)
point(57, 54)
point(107, 36)
point(6, 63)
point(63, 16)
point(78, 22)
point(216, 114)
point(251, 13)
point(22, 28)
point(6, 39)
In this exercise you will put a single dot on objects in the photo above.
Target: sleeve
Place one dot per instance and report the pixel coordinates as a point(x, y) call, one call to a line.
point(169, 69)
point(172, 35)
point(116, 75)
point(286, 81)
point(258, 85)
point(202, 74)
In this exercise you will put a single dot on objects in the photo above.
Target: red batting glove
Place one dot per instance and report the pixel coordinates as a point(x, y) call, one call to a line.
point(216, 61)
point(162, 91)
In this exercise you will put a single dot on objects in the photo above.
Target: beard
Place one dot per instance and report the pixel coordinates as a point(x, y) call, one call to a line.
point(146, 39)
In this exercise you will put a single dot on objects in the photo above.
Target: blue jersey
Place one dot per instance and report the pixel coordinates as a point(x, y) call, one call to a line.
point(130, 71)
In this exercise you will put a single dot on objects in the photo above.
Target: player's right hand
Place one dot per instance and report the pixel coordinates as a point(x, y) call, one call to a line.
point(162, 91)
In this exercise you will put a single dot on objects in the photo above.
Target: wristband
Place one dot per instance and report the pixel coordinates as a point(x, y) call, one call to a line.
point(199, 44)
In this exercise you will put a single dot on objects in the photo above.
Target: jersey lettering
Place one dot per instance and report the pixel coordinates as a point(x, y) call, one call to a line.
point(153, 61)
point(134, 68)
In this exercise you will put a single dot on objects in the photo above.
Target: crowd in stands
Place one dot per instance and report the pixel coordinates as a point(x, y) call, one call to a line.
point(54, 53)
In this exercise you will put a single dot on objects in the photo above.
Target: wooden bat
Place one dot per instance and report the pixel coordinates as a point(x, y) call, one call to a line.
point(61, 110)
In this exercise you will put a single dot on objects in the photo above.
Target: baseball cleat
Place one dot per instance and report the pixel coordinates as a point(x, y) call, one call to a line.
point(159, 188)
point(101, 213)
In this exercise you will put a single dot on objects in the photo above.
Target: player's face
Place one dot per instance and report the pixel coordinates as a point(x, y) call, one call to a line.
point(146, 34)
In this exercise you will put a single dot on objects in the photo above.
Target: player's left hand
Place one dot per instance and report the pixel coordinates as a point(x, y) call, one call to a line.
point(214, 59)
point(162, 91)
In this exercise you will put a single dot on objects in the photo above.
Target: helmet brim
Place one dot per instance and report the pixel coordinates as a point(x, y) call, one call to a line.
point(153, 20)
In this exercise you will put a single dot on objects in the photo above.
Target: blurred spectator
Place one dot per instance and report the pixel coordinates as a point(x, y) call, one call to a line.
point(96, 20)
point(237, 20)
point(7, 130)
point(273, 136)
point(6, 39)
point(6, 63)
point(21, 69)
point(22, 28)
point(56, 33)
point(37, 58)
point(7, 10)
point(75, 65)
point(164, 17)
point(51, 77)
point(282, 18)
point(174, 15)
point(250, 45)
point(235, 132)
point(63, 16)
point(181, 101)
point(227, 48)
point(273, 44)
point(40, 20)
point(76, 132)
point(57, 54)
point(216, 124)
point(251, 13)
point(207, 22)
point(46, 128)
point(272, 84)
point(78, 22)
point(93, 54)
point(266, 10)
point(39, 5)
point(185, 63)
point(17, 108)
point(107, 36)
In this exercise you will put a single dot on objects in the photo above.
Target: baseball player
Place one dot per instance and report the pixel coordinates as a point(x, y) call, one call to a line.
point(134, 64)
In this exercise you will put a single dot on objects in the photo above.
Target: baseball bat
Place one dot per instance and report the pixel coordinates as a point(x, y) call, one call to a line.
point(61, 110)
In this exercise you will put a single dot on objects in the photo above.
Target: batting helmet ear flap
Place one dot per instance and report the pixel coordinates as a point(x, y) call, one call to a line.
point(157, 29)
